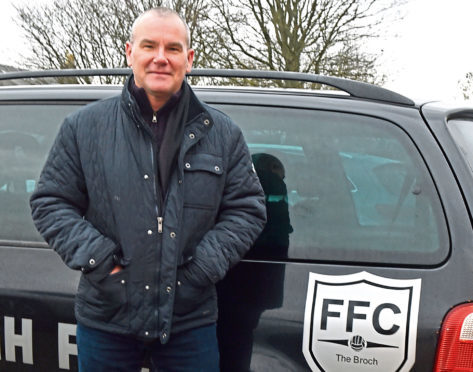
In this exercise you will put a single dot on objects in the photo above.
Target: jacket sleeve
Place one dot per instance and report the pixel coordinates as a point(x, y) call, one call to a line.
point(241, 219)
point(59, 203)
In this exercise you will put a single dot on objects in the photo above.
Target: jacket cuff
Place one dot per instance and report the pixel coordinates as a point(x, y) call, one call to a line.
point(97, 263)
point(197, 276)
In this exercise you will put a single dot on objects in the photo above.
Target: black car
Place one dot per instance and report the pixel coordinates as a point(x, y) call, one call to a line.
point(365, 264)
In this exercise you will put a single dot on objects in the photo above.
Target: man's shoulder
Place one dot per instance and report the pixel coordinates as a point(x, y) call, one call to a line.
point(219, 118)
point(224, 132)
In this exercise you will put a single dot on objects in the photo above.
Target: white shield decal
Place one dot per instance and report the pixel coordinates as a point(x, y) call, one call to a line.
point(360, 322)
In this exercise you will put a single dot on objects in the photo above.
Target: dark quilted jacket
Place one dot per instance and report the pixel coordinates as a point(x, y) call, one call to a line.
point(96, 205)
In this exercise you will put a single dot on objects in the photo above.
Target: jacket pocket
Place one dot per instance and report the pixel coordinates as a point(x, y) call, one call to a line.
point(104, 300)
point(203, 181)
point(188, 297)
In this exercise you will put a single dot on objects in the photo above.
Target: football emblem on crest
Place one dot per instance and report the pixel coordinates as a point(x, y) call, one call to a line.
point(357, 343)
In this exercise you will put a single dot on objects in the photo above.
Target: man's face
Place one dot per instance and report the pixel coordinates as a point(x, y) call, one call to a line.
point(159, 56)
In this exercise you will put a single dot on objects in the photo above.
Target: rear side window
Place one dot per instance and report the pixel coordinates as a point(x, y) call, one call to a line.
point(462, 132)
point(27, 132)
point(341, 187)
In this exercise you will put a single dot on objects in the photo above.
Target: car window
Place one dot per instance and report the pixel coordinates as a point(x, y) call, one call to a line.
point(462, 133)
point(338, 186)
point(27, 132)
point(341, 187)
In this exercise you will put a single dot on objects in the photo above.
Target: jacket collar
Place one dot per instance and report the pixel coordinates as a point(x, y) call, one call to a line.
point(130, 104)
point(146, 110)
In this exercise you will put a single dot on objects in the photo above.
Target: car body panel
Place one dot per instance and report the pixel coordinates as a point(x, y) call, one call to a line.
point(37, 290)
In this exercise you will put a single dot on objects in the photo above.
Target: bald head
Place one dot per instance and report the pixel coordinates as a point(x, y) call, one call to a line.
point(160, 12)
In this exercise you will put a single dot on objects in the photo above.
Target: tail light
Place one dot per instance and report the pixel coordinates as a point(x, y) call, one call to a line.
point(455, 347)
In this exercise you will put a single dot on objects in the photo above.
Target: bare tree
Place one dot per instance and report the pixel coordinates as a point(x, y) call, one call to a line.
point(466, 85)
point(317, 36)
point(90, 33)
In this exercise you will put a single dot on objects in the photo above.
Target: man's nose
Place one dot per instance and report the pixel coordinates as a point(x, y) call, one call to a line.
point(160, 56)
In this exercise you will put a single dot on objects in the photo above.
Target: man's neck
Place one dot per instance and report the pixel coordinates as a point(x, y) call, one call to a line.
point(157, 102)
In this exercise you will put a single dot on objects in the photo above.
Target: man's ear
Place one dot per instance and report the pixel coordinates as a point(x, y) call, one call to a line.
point(190, 60)
point(128, 47)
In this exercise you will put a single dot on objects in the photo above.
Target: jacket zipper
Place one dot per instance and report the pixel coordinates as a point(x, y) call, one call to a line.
point(157, 194)
point(157, 197)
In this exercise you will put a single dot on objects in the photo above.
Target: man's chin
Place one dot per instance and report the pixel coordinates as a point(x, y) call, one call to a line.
point(160, 89)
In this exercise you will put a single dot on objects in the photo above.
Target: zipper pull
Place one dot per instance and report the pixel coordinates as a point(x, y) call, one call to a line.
point(160, 225)
point(155, 120)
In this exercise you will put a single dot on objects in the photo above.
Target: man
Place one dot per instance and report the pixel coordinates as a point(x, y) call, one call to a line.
point(153, 196)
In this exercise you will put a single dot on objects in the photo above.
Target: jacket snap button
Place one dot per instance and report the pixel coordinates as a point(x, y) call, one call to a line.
point(123, 281)
point(217, 168)
point(147, 287)
point(172, 234)
point(164, 335)
point(145, 176)
point(192, 136)
point(206, 121)
point(92, 262)
point(180, 182)
point(179, 282)
point(168, 289)
point(187, 165)
point(146, 333)
point(150, 232)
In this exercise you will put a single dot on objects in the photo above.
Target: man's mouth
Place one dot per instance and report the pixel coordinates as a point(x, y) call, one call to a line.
point(159, 73)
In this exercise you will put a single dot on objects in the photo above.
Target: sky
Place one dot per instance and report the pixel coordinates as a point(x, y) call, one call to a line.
point(432, 51)
point(424, 55)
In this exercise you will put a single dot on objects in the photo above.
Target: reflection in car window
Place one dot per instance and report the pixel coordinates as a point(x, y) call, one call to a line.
point(357, 188)
point(26, 135)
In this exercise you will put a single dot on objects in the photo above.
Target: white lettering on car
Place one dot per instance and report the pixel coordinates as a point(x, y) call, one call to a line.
point(24, 340)
point(65, 347)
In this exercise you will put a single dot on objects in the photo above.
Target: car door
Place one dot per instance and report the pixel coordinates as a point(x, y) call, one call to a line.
point(364, 250)
point(37, 325)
